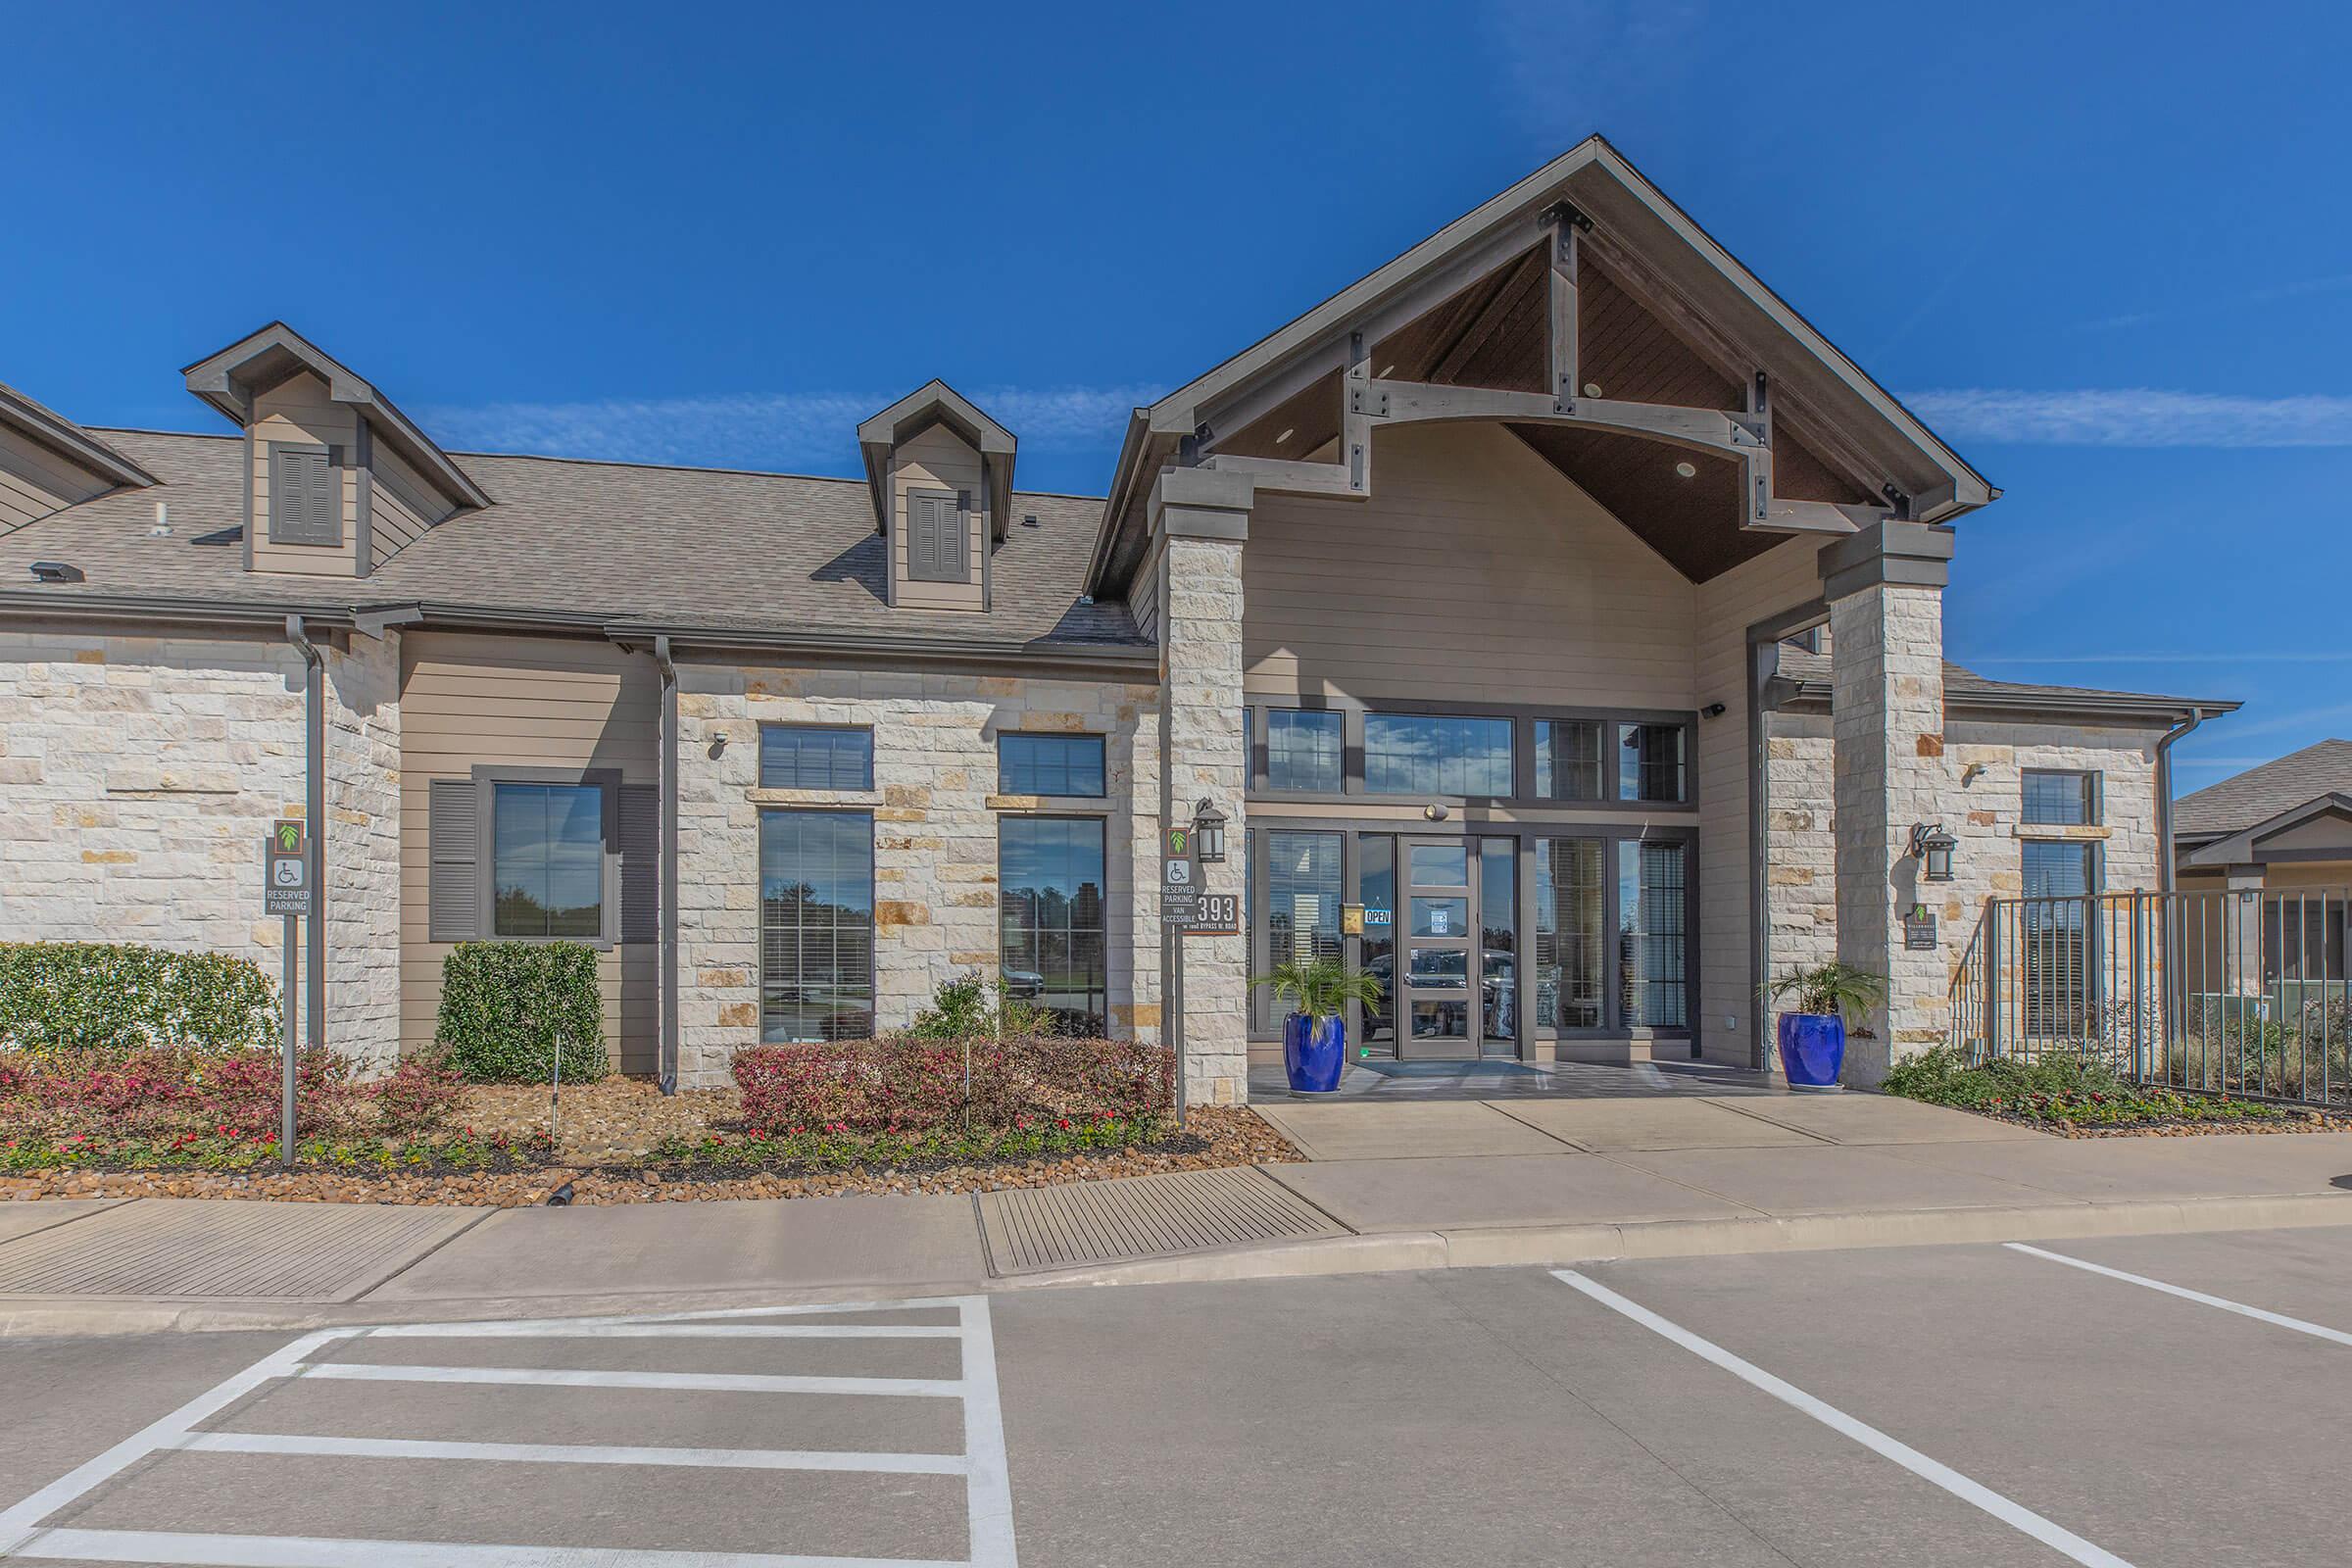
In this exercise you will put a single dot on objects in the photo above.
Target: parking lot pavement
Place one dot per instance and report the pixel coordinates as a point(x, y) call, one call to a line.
point(748, 1439)
point(2156, 1402)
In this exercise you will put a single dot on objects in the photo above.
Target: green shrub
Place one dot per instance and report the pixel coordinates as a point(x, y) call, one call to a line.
point(88, 998)
point(2058, 1086)
point(960, 1009)
point(509, 1007)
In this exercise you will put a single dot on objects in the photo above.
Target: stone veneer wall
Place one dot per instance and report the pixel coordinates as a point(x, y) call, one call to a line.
point(935, 807)
point(138, 777)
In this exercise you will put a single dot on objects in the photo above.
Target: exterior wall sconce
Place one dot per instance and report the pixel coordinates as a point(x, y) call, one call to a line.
point(1934, 847)
point(1209, 834)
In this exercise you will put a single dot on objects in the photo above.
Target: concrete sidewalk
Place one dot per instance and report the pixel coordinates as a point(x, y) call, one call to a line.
point(1387, 1186)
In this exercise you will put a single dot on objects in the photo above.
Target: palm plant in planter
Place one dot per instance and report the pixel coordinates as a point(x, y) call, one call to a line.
point(1812, 1035)
point(1315, 1035)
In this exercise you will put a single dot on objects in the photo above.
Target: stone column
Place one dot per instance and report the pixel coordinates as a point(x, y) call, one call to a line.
point(1884, 588)
point(1199, 518)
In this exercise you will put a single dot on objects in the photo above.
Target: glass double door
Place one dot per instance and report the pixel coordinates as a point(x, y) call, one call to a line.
point(1456, 994)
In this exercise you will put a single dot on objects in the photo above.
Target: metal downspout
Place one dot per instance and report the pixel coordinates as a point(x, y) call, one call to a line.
point(668, 962)
point(2164, 795)
point(313, 810)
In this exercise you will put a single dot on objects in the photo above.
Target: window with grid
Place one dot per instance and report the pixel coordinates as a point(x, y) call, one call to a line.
point(815, 757)
point(1306, 750)
point(1650, 762)
point(2060, 799)
point(1051, 883)
point(547, 861)
point(1571, 915)
point(816, 925)
point(1049, 765)
point(1416, 754)
point(1568, 758)
point(1654, 933)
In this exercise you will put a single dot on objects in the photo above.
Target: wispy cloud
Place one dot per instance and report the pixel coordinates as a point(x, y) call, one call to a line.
point(2135, 416)
point(1571, 67)
point(764, 431)
point(2270, 294)
point(2317, 656)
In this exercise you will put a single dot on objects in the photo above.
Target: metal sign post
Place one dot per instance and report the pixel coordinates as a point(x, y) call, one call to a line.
point(286, 889)
point(1179, 892)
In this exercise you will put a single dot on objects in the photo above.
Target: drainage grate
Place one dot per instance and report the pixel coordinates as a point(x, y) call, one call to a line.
point(1141, 1216)
point(244, 1251)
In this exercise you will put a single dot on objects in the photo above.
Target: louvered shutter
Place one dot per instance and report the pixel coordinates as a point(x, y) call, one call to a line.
point(303, 507)
point(640, 863)
point(926, 541)
point(454, 872)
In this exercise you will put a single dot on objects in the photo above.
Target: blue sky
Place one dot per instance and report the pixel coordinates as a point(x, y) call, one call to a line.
point(2104, 250)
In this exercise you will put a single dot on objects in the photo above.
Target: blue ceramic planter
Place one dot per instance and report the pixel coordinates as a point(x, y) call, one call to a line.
point(1313, 1050)
point(1812, 1049)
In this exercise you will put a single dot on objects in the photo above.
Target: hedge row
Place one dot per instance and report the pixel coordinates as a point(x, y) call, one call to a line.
point(908, 1087)
point(59, 997)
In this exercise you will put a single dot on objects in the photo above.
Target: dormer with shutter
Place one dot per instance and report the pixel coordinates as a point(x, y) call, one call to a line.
point(940, 472)
point(336, 478)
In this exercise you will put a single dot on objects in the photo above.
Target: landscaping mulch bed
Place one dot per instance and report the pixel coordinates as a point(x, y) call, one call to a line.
point(2293, 1122)
point(622, 1121)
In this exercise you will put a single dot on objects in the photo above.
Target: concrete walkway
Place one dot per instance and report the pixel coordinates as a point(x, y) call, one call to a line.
point(1387, 1186)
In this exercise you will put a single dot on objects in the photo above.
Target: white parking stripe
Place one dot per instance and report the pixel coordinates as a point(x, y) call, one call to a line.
point(717, 1314)
point(2014, 1514)
point(911, 1464)
point(988, 1496)
point(317, 1552)
point(2318, 1331)
point(669, 1331)
point(578, 1378)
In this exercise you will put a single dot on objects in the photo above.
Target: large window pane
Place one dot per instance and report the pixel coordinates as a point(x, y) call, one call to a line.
point(813, 756)
point(1302, 896)
point(1650, 765)
point(1376, 880)
point(2055, 799)
point(2054, 937)
point(1050, 875)
point(548, 843)
point(1570, 905)
point(1049, 765)
point(1568, 758)
point(1499, 935)
point(816, 925)
point(1304, 751)
point(1413, 754)
point(1654, 933)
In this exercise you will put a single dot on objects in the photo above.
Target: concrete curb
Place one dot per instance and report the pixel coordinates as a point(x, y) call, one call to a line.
point(1381, 1252)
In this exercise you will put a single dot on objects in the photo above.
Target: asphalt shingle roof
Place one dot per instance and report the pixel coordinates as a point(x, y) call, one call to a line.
point(2244, 800)
point(1812, 670)
point(683, 547)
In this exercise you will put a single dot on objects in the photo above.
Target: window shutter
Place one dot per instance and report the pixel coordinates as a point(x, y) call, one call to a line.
point(454, 829)
point(640, 863)
point(303, 505)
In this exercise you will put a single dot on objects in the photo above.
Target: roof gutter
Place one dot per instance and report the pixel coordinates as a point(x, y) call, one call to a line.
point(2165, 849)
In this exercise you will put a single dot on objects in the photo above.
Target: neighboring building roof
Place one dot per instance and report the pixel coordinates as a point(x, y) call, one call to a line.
point(1808, 676)
point(593, 544)
point(53, 429)
point(2258, 794)
point(229, 379)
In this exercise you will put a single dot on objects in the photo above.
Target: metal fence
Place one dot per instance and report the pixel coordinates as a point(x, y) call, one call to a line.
point(2213, 992)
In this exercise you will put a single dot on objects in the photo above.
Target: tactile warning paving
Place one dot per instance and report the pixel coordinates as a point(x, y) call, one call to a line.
point(244, 1251)
point(1141, 1216)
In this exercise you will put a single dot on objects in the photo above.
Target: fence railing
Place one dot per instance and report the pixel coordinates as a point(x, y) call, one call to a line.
point(2210, 991)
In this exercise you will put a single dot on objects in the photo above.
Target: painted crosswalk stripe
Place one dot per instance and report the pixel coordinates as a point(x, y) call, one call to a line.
point(585, 1378)
point(2318, 1331)
point(912, 1464)
point(2014, 1514)
point(670, 1331)
point(197, 1550)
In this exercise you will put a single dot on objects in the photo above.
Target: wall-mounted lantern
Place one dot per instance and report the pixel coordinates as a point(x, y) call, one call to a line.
point(1933, 847)
point(1209, 834)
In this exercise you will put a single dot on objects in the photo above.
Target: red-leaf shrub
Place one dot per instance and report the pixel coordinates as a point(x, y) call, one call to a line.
point(421, 1095)
point(909, 1087)
point(154, 1092)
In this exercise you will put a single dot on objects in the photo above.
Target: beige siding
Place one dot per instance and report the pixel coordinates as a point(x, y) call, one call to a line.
point(36, 481)
point(1782, 579)
point(1142, 597)
point(1473, 573)
point(300, 411)
point(938, 459)
point(402, 505)
point(521, 701)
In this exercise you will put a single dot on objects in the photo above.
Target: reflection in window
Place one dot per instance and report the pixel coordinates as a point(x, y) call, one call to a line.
point(1376, 879)
point(1650, 762)
point(1304, 751)
point(548, 843)
point(1050, 872)
point(812, 756)
point(1049, 765)
point(1302, 896)
point(2055, 799)
point(1568, 758)
point(1412, 754)
point(816, 925)
point(1569, 921)
point(1499, 935)
point(1654, 933)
